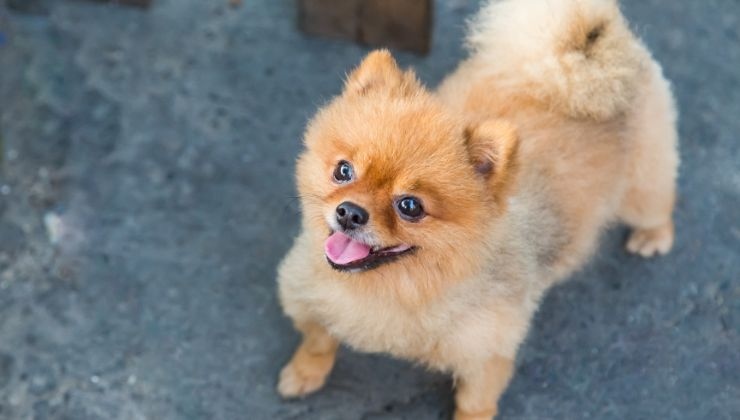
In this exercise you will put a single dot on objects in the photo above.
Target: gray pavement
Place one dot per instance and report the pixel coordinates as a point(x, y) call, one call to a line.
point(146, 196)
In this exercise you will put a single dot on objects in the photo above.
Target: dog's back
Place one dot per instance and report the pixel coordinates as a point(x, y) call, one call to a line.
point(576, 57)
point(578, 85)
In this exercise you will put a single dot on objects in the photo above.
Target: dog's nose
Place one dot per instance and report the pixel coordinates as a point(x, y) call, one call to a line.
point(351, 216)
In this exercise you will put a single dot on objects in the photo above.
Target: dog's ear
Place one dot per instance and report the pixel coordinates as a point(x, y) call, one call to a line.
point(379, 72)
point(492, 147)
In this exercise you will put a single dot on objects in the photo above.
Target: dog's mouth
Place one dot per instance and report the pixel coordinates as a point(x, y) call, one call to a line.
point(347, 254)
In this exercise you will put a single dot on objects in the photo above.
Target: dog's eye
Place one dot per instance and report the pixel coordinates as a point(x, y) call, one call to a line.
point(343, 172)
point(410, 208)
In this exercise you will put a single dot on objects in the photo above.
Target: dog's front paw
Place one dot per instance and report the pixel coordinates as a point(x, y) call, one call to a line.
point(297, 381)
point(649, 242)
point(463, 415)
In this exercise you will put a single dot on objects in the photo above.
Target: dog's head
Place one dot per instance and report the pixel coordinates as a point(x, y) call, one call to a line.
point(393, 180)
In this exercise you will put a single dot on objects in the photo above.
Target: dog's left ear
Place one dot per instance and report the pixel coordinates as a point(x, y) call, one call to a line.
point(379, 72)
point(492, 146)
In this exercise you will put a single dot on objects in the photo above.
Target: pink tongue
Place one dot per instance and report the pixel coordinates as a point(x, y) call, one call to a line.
point(341, 249)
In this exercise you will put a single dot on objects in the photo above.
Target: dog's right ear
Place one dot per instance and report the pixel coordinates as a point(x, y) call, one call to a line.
point(492, 146)
point(379, 72)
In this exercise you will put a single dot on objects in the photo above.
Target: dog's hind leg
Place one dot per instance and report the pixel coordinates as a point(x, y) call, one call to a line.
point(647, 204)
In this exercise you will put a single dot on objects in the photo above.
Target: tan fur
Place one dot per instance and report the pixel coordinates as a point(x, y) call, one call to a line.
point(478, 388)
point(556, 126)
point(307, 370)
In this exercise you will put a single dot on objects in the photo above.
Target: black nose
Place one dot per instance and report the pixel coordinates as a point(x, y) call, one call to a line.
point(351, 216)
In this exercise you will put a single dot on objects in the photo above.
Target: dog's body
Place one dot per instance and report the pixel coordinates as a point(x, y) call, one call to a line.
point(558, 124)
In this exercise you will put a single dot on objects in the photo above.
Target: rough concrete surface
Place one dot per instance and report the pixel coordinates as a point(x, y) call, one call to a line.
point(146, 196)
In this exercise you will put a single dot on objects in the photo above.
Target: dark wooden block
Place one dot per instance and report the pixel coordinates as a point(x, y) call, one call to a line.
point(404, 24)
point(335, 18)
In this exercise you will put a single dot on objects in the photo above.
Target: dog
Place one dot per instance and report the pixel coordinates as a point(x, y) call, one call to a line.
point(434, 221)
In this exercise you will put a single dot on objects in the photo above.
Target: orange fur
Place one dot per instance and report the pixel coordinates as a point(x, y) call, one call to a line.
point(520, 160)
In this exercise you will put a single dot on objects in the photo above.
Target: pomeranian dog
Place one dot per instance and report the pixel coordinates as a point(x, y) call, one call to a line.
point(434, 221)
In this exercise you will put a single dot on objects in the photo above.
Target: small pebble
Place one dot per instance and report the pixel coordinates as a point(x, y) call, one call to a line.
point(54, 227)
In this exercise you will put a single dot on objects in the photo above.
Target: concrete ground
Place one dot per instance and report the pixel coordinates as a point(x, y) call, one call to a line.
point(146, 196)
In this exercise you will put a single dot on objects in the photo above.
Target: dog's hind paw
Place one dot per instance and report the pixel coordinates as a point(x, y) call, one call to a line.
point(651, 242)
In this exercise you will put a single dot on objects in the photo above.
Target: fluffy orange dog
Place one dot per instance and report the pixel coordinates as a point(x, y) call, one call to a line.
point(433, 222)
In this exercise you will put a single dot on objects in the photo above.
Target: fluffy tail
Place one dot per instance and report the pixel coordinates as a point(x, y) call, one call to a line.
point(576, 56)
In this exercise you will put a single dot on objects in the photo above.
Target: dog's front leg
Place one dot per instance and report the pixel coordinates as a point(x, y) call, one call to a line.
point(311, 363)
point(479, 388)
